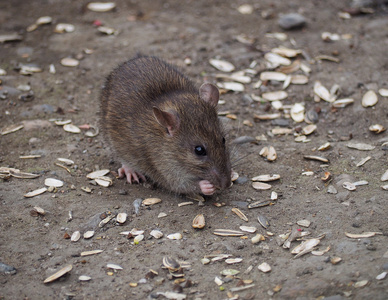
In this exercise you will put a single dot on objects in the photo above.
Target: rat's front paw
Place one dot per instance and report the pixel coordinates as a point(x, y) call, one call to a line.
point(206, 187)
point(132, 175)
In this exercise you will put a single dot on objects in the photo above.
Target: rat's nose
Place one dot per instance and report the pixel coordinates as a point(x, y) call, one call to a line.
point(221, 180)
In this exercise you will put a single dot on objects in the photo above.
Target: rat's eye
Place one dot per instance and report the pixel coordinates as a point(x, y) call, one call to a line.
point(200, 150)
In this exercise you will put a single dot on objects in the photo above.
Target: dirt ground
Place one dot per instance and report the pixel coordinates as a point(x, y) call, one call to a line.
point(199, 30)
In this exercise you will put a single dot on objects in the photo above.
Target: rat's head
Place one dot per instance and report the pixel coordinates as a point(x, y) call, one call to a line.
point(194, 141)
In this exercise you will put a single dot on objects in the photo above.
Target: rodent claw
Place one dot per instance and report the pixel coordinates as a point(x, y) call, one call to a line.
point(206, 187)
point(131, 175)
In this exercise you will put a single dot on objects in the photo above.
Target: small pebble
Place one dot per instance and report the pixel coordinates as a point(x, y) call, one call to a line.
point(291, 21)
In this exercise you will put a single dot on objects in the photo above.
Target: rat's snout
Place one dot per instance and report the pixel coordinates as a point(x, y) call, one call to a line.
point(221, 180)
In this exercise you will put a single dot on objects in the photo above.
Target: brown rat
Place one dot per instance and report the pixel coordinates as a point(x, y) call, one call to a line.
point(163, 128)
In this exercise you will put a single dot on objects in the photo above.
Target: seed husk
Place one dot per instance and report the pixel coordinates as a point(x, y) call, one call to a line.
point(101, 6)
point(341, 103)
point(266, 117)
point(69, 62)
point(114, 267)
point(384, 177)
point(171, 264)
point(260, 204)
point(360, 146)
point(383, 92)
point(361, 235)
point(92, 252)
point(157, 234)
point(98, 173)
point(11, 128)
point(84, 278)
point(263, 221)
point(240, 214)
point(35, 192)
point(121, 218)
point(228, 232)
point(231, 86)
point(175, 236)
point(261, 186)
point(58, 274)
point(88, 234)
point(75, 236)
point(249, 229)
point(264, 267)
point(68, 162)
point(231, 261)
point(229, 272)
point(151, 201)
point(62, 122)
point(377, 128)
point(324, 147)
point(222, 65)
point(360, 284)
point(369, 99)
point(323, 92)
point(274, 96)
point(309, 129)
point(53, 182)
point(276, 76)
point(318, 158)
point(335, 260)
point(138, 239)
point(305, 247)
point(257, 238)
point(304, 223)
point(299, 79)
point(297, 112)
point(349, 186)
point(199, 222)
point(276, 60)
point(266, 178)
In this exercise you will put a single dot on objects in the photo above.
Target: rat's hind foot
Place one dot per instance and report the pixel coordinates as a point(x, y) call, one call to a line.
point(206, 187)
point(130, 174)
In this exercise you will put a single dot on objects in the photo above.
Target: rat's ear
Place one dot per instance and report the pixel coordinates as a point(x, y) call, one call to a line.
point(169, 120)
point(209, 93)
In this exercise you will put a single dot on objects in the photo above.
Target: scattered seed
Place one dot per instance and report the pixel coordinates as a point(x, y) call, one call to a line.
point(361, 146)
point(258, 204)
point(62, 28)
point(75, 236)
point(323, 92)
point(88, 234)
point(266, 178)
point(69, 62)
point(249, 229)
point(229, 272)
point(383, 92)
point(305, 247)
point(361, 182)
point(318, 158)
point(275, 96)
point(121, 218)
point(384, 177)
point(199, 221)
point(324, 147)
point(101, 6)
point(275, 76)
point(58, 274)
point(240, 214)
point(341, 103)
point(361, 235)
point(304, 223)
point(381, 276)
point(227, 232)
point(264, 267)
point(151, 201)
point(274, 196)
point(35, 193)
point(138, 239)
point(231, 86)
point(157, 234)
point(86, 189)
point(71, 128)
point(222, 65)
point(297, 112)
point(360, 284)
point(96, 174)
point(114, 267)
point(261, 186)
point(92, 252)
point(11, 128)
point(53, 182)
point(369, 99)
point(377, 128)
point(175, 236)
point(335, 260)
point(263, 221)
point(171, 264)
point(68, 162)
point(309, 129)
point(231, 261)
point(84, 278)
point(257, 238)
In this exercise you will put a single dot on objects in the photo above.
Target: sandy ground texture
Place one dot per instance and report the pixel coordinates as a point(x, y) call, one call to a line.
point(349, 228)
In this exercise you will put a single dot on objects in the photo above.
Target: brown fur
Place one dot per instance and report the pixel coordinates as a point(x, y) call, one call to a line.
point(140, 141)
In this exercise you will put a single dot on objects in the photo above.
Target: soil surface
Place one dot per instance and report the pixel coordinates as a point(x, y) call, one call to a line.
point(179, 32)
